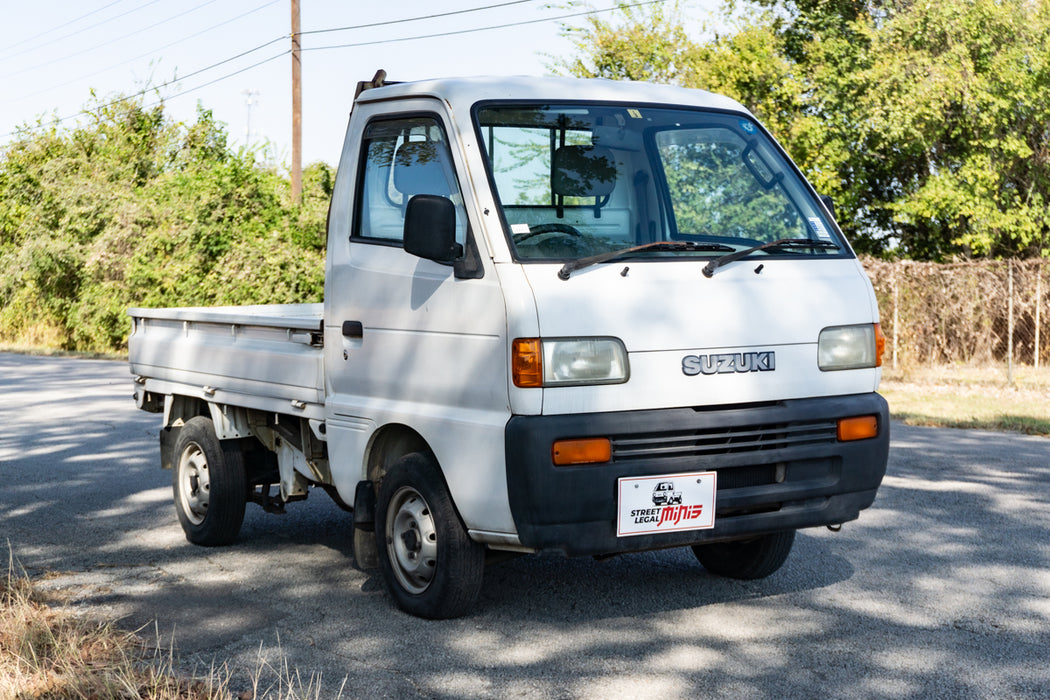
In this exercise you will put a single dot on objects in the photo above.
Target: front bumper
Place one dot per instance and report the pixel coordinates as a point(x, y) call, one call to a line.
point(780, 467)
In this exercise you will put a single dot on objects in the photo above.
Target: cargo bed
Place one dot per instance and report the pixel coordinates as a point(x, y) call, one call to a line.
point(265, 357)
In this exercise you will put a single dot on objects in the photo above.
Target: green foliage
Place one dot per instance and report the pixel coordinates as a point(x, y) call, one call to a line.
point(967, 86)
point(130, 208)
point(648, 44)
point(714, 194)
point(927, 122)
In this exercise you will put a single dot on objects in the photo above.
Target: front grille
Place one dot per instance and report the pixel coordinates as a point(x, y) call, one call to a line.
point(743, 477)
point(721, 441)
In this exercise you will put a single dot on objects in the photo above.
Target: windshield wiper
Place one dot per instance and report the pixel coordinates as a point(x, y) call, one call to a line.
point(709, 268)
point(568, 268)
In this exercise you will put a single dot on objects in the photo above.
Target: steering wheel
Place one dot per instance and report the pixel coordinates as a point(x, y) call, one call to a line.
point(548, 228)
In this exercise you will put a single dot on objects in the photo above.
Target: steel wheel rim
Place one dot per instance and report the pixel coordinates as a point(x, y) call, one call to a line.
point(194, 483)
point(411, 540)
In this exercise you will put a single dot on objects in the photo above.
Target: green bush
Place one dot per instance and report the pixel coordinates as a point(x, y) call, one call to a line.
point(132, 209)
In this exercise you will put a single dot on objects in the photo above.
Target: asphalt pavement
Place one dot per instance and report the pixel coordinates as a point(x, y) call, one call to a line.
point(940, 590)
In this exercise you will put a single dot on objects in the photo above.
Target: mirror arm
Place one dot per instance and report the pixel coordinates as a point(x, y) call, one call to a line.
point(468, 265)
point(829, 204)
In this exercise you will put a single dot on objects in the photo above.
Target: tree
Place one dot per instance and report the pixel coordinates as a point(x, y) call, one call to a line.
point(959, 94)
point(925, 121)
point(649, 44)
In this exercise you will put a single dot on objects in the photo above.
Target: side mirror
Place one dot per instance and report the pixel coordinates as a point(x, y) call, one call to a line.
point(829, 204)
point(430, 228)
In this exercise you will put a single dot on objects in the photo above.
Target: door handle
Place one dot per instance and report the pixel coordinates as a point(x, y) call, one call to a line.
point(353, 329)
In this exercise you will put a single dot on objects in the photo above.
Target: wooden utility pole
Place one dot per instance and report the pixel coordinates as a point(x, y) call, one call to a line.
point(297, 108)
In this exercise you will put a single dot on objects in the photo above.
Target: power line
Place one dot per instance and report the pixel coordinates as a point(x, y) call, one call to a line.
point(414, 19)
point(151, 52)
point(202, 85)
point(162, 100)
point(522, 23)
point(64, 24)
point(80, 31)
point(157, 88)
point(216, 65)
point(109, 41)
point(317, 31)
point(285, 53)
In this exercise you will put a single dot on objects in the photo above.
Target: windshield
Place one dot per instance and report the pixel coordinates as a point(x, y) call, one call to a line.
point(576, 181)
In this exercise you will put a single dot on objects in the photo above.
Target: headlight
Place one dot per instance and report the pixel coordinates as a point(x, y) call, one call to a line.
point(849, 347)
point(569, 361)
point(584, 361)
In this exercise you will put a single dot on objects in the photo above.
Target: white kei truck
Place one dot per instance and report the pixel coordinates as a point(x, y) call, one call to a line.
point(576, 316)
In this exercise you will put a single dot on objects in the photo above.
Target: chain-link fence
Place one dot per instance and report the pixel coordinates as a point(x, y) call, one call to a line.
point(987, 312)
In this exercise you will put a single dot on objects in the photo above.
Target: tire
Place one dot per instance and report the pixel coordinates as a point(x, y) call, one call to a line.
point(431, 566)
point(209, 485)
point(746, 559)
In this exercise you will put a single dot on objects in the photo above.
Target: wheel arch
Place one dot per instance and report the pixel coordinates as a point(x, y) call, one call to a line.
point(229, 423)
point(179, 408)
point(389, 444)
point(385, 447)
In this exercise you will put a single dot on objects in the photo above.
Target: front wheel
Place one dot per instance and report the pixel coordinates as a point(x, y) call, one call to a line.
point(749, 559)
point(431, 566)
point(209, 485)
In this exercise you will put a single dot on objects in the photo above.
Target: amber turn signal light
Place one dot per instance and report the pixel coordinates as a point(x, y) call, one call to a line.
point(859, 428)
point(526, 362)
point(880, 344)
point(581, 451)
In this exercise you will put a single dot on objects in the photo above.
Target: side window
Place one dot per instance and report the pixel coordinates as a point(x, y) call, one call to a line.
point(402, 158)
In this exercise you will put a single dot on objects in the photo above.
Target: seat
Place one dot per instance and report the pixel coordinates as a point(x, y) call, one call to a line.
point(418, 169)
point(583, 171)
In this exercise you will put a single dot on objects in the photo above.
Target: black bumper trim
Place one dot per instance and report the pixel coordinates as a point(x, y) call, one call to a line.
point(766, 484)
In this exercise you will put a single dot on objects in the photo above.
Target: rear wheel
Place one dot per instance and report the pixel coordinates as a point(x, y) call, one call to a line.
point(748, 559)
point(431, 566)
point(209, 485)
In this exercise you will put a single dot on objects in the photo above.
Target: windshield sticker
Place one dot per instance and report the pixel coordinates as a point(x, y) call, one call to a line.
point(818, 228)
point(634, 113)
point(747, 126)
point(519, 228)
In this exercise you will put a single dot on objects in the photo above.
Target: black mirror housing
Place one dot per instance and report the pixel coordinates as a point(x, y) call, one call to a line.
point(829, 204)
point(430, 228)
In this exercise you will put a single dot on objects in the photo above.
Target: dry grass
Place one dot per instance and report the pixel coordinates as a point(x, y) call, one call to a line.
point(48, 653)
point(956, 396)
point(52, 654)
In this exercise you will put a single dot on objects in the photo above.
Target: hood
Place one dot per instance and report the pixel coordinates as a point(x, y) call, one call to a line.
point(654, 306)
point(666, 311)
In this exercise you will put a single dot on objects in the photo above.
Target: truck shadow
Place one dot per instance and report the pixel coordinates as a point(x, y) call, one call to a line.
point(553, 588)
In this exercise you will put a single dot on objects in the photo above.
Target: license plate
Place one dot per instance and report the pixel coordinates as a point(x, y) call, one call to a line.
point(667, 503)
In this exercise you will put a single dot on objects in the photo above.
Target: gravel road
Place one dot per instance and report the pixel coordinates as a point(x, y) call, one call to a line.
point(941, 589)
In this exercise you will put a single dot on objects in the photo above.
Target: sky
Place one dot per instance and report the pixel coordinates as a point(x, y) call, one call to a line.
point(231, 56)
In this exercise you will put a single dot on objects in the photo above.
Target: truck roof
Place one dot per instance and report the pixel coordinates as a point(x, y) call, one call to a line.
point(465, 92)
